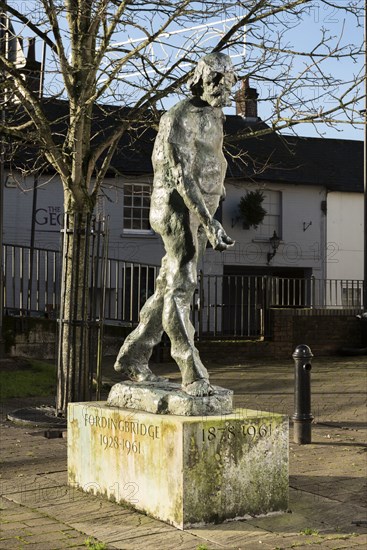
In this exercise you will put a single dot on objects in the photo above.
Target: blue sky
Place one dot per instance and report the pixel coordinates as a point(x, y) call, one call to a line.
point(340, 30)
point(301, 36)
point(343, 28)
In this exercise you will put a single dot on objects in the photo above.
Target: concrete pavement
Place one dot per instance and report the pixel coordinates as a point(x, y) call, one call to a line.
point(328, 492)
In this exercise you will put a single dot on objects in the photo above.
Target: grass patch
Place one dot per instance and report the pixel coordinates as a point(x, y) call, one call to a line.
point(36, 379)
point(91, 544)
point(309, 531)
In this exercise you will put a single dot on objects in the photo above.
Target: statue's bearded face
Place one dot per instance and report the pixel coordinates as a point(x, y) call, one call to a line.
point(217, 86)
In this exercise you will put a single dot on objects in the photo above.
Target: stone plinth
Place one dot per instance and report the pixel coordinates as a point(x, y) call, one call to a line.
point(169, 398)
point(180, 469)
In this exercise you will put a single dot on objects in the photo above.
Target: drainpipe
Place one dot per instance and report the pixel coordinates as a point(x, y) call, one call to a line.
point(365, 163)
point(324, 236)
point(2, 182)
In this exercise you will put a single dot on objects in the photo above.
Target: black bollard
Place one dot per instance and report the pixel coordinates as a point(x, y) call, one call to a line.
point(302, 417)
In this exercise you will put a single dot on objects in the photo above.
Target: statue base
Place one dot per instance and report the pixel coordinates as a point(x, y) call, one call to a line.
point(169, 398)
point(184, 470)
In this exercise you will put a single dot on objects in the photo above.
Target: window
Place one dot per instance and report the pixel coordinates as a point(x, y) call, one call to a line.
point(136, 207)
point(272, 221)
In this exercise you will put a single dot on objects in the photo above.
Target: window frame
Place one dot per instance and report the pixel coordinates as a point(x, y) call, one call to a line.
point(260, 234)
point(133, 207)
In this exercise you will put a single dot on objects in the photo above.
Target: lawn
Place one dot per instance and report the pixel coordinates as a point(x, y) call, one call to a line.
point(36, 378)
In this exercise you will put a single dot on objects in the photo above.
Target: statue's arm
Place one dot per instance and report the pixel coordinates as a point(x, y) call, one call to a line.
point(184, 167)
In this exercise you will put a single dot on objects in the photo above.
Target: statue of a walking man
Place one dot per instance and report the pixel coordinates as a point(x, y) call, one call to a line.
point(189, 171)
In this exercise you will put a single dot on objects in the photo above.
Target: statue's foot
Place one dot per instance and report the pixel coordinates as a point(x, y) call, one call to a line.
point(199, 388)
point(138, 373)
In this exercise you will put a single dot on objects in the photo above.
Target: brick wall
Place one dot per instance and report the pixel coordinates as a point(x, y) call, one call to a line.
point(30, 337)
point(325, 331)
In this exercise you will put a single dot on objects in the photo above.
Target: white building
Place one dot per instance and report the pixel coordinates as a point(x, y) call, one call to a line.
point(313, 191)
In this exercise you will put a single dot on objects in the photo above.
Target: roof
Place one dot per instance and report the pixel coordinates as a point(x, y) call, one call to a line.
point(336, 164)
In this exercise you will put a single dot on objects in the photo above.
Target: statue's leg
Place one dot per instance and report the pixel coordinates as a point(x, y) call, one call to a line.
point(181, 281)
point(134, 355)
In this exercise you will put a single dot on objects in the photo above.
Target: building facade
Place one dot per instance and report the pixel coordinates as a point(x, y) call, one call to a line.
point(312, 193)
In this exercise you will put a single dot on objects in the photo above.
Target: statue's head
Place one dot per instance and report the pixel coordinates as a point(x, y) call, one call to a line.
point(213, 79)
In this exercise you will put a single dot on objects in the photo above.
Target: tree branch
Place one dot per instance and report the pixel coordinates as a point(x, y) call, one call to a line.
point(29, 24)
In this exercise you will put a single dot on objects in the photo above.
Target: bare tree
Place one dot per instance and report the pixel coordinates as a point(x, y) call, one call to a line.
point(132, 55)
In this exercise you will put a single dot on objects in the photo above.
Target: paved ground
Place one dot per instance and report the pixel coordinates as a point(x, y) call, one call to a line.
point(328, 496)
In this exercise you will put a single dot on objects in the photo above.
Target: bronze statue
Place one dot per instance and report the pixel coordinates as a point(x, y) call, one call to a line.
point(189, 171)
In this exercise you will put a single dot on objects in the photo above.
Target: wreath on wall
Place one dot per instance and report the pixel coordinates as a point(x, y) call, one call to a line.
point(251, 209)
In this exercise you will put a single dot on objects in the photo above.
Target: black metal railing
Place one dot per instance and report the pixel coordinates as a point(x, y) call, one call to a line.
point(236, 306)
point(31, 280)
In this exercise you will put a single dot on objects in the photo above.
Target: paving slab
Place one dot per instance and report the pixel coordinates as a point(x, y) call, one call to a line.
point(327, 481)
point(21, 528)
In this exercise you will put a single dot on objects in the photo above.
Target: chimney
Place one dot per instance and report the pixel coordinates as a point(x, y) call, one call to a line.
point(14, 51)
point(246, 101)
point(32, 68)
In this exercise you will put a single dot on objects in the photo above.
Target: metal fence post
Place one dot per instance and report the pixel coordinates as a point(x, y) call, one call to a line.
point(302, 417)
point(200, 303)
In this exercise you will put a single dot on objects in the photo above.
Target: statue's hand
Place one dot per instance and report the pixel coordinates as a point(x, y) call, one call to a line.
point(217, 237)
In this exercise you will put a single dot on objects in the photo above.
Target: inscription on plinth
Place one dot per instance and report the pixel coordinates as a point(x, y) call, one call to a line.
point(182, 470)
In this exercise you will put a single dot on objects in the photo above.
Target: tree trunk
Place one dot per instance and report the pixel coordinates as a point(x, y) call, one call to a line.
point(74, 379)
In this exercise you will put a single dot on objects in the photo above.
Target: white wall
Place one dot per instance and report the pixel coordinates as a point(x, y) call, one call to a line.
point(299, 248)
point(344, 254)
point(18, 207)
point(332, 246)
point(18, 211)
